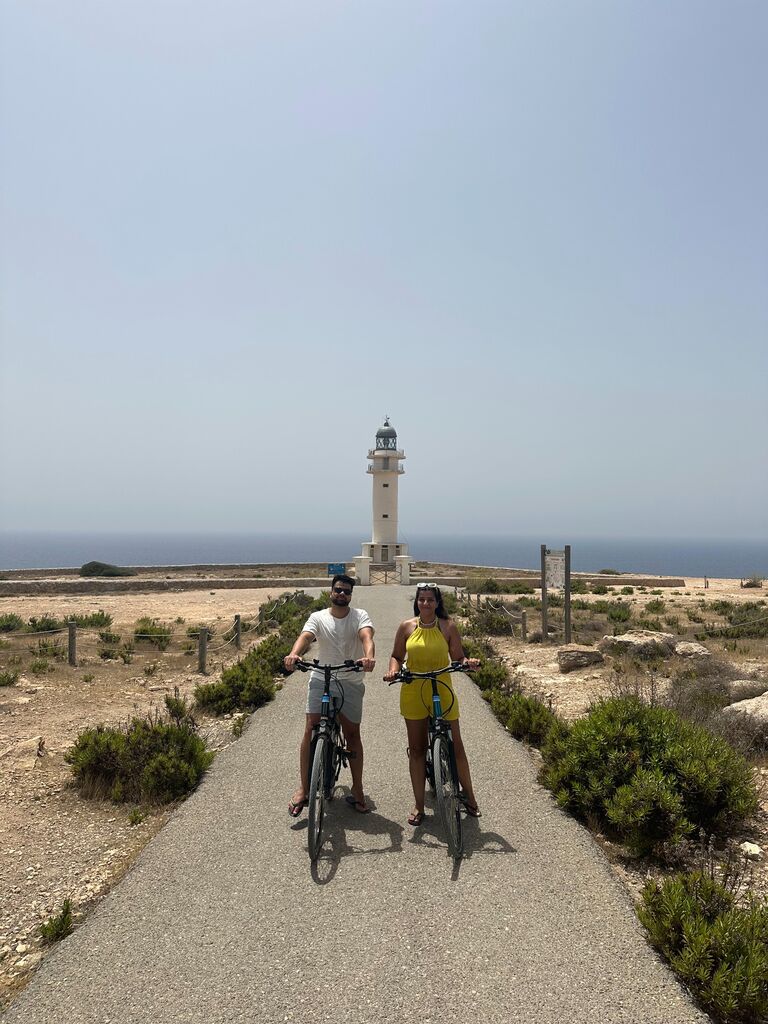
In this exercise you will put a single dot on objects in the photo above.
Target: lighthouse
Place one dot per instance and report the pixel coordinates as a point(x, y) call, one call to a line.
point(384, 556)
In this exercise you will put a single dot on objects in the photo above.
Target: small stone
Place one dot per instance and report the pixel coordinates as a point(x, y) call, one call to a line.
point(751, 851)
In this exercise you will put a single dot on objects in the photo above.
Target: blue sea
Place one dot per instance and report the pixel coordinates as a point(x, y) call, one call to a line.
point(663, 557)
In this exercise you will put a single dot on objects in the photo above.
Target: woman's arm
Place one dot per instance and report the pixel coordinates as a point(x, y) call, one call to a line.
point(397, 657)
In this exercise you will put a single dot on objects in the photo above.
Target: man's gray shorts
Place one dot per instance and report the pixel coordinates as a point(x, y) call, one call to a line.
point(351, 690)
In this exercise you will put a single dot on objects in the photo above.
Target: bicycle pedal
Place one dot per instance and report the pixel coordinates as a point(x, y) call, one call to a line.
point(350, 755)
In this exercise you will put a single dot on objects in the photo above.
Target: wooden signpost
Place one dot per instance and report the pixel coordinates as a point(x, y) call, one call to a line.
point(555, 575)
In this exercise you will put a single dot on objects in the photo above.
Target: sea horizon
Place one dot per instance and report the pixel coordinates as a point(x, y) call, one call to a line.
point(715, 557)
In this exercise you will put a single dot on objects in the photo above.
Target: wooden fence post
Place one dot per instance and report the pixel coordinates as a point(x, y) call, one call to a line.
point(238, 632)
point(523, 625)
point(567, 593)
point(72, 642)
point(544, 624)
point(202, 649)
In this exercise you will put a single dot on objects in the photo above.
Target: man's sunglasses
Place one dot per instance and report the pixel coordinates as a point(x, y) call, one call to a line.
point(342, 590)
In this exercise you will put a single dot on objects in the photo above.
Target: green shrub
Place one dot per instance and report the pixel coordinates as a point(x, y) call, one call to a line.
point(526, 718)
point(50, 648)
point(599, 588)
point(491, 622)
point(588, 768)
point(38, 666)
point(619, 611)
point(608, 572)
point(45, 624)
point(717, 948)
point(93, 620)
point(149, 631)
point(244, 686)
point(104, 569)
point(655, 607)
point(491, 675)
point(148, 760)
point(8, 677)
point(59, 926)
point(10, 623)
point(652, 624)
point(477, 647)
point(627, 590)
point(193, 632)
point(107, 637)
point(579, 586)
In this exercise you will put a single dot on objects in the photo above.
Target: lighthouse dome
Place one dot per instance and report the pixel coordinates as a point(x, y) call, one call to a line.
point(386, 436)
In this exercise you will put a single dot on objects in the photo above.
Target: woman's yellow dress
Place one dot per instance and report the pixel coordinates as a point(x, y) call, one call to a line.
point(425, 650)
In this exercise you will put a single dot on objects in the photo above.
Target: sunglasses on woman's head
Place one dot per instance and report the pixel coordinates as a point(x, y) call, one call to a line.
point(427, 586)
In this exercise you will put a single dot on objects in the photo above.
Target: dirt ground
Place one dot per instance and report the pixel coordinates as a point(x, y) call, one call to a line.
point(56, 845)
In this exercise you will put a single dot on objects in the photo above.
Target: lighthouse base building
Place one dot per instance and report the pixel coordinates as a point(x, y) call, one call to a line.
point(384, 554)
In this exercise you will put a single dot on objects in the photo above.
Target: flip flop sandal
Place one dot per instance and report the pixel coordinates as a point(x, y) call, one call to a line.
point(295, 809)
point(359, 806)
point(416, 818)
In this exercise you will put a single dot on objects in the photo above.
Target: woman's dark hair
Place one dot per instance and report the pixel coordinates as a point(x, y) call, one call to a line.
point(440, 611)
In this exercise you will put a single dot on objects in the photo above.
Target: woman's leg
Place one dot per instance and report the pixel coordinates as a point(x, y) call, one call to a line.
point(417, 754)
point(462, 765)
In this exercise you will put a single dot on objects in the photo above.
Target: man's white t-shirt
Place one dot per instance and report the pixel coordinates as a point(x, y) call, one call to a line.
point(338, 639)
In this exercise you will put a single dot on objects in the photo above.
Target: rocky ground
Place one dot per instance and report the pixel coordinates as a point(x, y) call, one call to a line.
point(55, 845)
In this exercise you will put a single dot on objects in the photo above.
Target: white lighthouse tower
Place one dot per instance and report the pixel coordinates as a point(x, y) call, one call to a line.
point(384, 553)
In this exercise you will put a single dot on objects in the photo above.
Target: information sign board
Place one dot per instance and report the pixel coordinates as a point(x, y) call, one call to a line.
point(336, 568)
point(555, 563)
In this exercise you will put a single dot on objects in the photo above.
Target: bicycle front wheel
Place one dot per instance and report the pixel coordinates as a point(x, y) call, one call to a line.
point(447, 793)
point(317, 778)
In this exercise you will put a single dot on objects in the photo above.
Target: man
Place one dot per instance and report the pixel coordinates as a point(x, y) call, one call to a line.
point(342, 634)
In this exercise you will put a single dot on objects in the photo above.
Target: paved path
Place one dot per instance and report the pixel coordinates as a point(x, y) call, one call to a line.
point(222, 920)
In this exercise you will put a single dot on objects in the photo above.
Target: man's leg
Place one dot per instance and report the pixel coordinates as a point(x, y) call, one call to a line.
point(300, 794)
point(354, 743)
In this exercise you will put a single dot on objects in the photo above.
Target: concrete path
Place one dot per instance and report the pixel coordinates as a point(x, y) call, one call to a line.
point(222, 919)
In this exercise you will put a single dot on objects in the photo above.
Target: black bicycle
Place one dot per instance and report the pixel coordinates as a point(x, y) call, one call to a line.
point(327, 753)
point(442, 773)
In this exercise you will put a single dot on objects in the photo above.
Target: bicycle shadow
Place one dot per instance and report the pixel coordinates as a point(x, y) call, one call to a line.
point(477, 841)
point(341, 823)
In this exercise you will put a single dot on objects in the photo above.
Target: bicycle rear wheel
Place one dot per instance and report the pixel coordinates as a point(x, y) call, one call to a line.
point(317, 780)
point(447, 793)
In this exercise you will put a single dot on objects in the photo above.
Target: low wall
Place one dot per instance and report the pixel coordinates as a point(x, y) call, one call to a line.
point(133, 584)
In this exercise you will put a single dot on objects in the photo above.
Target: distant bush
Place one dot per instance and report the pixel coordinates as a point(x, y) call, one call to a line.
point(8, 677)
point(50, 648)
point(753, 581)
point(92, 620)
point(10, 623)
point(655, 607)
point(620, 611)
point(647, 774)
point(148, 760)
point(38, 666)
point(608, 572)
point(149, 631)
point(579, 586)
point(45, 624)
point(599, 588)
point(717, 948)
point(104, 569)
point(627, 590)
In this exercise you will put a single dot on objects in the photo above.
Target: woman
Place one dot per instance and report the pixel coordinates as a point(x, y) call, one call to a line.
point(429, 641)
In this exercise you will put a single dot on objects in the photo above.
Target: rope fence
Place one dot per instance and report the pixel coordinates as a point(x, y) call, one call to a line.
point(70, 640)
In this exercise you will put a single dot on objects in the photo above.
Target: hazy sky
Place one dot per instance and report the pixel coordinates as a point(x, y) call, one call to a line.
point(234, 235)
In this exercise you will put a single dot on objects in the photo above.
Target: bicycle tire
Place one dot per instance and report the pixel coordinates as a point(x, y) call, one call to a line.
point(430, 768)
point(447, 793)
point(316, 810)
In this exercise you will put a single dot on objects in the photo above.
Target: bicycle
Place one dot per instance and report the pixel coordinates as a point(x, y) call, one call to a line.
point(327, 753)
point(441, 758)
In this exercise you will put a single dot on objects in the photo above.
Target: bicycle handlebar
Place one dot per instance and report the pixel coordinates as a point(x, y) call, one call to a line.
point(309, 666)
point(405, 675)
